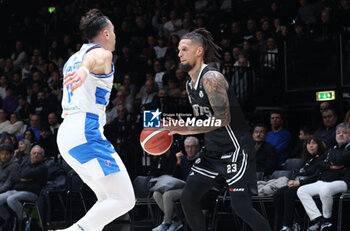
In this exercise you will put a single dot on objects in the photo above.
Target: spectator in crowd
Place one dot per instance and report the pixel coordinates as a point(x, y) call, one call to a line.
point(128, 84)
point(271, 56)
point(11, 100)
point(324, 30)
point(174, 91)
point(150, 92)
point(180, 78)
point(324, 106)
point(187, 26)
point(16, 83)
point(236, 34)
point(266, 156)
point(48, 142)
point(3, 86)
point(41, 106)
point(163, 101)
point(305, 12)
point(174, 24)
point(279, 137)
point(327, 131)
point(8, 168)
point(160, 49)
point(23, 109)
point(250, 30)
point(4, 122)
point(126, 99)
point(160, 75)
point(285, 197)
point(34, 126)
point(163, 164)
point(19, 56)
point(304, 134)
point(30, 135)
point(158, 21)
point(149, 51)
point(53, 123)
point(23, 151)
point(32, 178)
point(166, 200)
point(328, 182)
point(16, 126)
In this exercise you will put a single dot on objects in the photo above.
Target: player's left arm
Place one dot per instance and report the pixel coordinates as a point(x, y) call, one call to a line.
point(97, 60)
point(215, 85)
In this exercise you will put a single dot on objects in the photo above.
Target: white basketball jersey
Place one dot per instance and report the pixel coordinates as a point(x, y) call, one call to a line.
point(93, 95)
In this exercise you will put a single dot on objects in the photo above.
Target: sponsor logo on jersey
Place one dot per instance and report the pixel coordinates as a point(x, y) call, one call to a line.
point(198, 160)
point(236, 189)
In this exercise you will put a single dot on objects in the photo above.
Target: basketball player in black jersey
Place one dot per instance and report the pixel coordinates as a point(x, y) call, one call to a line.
point(229, 152)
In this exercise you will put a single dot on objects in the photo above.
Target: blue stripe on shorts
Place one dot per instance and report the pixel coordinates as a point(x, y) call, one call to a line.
point(96, 147)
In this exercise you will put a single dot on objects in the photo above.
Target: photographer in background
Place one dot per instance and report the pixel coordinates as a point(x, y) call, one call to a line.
point(166, 200)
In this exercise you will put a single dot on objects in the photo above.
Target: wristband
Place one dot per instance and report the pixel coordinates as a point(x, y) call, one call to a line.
point(332, 167)
point(86, 70)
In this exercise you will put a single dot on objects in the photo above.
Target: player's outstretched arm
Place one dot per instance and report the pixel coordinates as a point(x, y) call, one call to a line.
point(98, 61)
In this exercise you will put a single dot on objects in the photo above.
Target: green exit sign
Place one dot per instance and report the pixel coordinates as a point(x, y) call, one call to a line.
point(325, 95)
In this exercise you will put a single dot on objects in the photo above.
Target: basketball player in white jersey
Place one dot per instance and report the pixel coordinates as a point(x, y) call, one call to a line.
point(88, 80)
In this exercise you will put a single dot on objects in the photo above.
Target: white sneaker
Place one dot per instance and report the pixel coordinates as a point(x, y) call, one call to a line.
point(175, 226)
point(161, 227)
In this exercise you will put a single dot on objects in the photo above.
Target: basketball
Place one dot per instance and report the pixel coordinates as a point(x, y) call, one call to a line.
point(155, 141)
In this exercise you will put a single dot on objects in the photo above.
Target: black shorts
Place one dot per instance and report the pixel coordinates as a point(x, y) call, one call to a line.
point(233, 167)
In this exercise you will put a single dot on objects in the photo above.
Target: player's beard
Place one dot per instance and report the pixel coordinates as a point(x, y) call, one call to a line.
point(185, 67)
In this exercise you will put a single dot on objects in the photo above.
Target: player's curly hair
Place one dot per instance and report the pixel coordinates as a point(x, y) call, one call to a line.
point(204, 37)
point(92, 23)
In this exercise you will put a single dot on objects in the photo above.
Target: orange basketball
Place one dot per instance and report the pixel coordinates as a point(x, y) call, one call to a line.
point(155, 141)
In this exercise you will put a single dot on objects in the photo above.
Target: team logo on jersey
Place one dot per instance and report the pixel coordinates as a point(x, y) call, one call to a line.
point(198, 160)
point(201, 94)
point(151, 118)
point(107, 96)
point(108, 163)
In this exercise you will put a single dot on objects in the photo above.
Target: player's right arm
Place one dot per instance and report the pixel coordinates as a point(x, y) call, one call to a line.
point(98, 61)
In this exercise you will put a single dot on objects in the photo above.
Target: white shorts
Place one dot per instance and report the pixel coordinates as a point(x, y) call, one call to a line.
point(83, 146)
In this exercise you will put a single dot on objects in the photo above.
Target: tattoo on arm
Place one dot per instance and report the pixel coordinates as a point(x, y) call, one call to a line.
point(216, 87)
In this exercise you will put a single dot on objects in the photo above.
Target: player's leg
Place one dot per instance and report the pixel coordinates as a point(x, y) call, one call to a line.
point(242, 206)
point(196, 187)
point(115, 198)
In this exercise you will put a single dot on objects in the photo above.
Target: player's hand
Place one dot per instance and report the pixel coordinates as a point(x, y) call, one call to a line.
point(75, 79)
point(175, 128)
point(293, 183)
point(179, 156)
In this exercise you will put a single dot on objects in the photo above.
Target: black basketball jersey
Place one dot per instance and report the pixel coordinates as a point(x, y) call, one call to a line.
point(225, 139)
